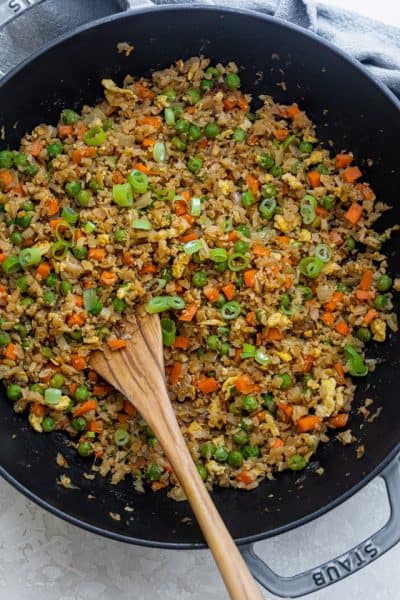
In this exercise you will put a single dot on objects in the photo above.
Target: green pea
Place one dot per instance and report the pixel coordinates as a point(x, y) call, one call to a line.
point(249, 403)
point(182, 126)
point(54, 149)
point(305, 147)
point(85, 449)
point(31, 170)
point(220, 302)
point(23, 219)
point(296, 462)
point(285, 301)
point(286, 381)
point(221, 454)
point(14, 392)
point(81, 393)
point(202, 471)
point(119, 305)
point(213, 342)
point(5, 339)
point(28, 206)
point(21, 330)
point(51, 280)
point(69, 117)
point(381, 301)
point(350, 243)
point(269, 403)
point(268, 190)
point(363, 334)
point(211, 130)
point(195, 164)
point(83, 198)
point(241, 246)
point(94, 185)
point(154, 472)
point(383, 283)
point(208, 450)
point(27, 302)
point(235, 459)
point(170, 94)
point(239, 135)
point(266, 161)
point(194, 133)
point(248, 198)
point(80, 253)
point(199, 279)
point(48, 424)
point(36, 387)
point(341, 287)
point(225, 349)
point(73, 188)
point(251, 451)
point(16, 238)
point(66, 288)
point(6, 159)
point(193, 96)
point(276, 171)
point(21, 159)
point(244, 230)
point(79, 424)
point(328, 202)
point(57, 381)
point(206, 85)
point(232, 81)
point(178, 143)
point(212, 72)
point(240, 437)
point(49, 297)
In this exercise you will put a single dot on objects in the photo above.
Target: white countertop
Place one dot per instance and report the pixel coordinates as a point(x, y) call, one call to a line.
point(43, 557)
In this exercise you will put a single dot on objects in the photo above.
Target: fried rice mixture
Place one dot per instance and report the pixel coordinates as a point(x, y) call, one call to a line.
point(253, 243)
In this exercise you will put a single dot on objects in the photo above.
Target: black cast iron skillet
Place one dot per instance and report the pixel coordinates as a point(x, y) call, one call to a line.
point(350, 108)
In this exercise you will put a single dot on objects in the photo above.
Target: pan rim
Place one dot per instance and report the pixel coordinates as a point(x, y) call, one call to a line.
point(386, 92)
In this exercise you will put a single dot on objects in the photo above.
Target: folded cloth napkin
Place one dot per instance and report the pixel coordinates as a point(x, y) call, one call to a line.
point(374, 44)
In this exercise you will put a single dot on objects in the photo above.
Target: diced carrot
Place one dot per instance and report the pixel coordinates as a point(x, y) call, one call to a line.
point(229, 290)
point(259, 338)
point(116, 344)
point(176, 373)
point(148, 142)
point(6, 178)
point(274, 334)
point(181, 342)
point(189, 312)
point(92, 376)
point(72, 388)
point(260, 250)
point(129, 408)
point(336, 299)
point(251, 318)
point(186, 195)
point(78, 362)
point(117, 177)
point(339, 420)
point(64, 130)
point(122, 418)
point(207, 385)
point(78, 300)
point(96, 426)
point(288, 282)
point(370, 316)
point(203, 143)
point(366, 280)
point(180, 207)
point(153, 121)
point(75, 320)
point(189, 219)
point(351, 174)
point(286, 409)
point(96, 253)
point(245, 477)
point(308, 423)
point(252, 140)
point(282, 240)
point(308, 363)
point(322, 212)
point(353, 214)
point(343, 160)
point(211, 293)
point(143, 92)
point(17, 189)
point(244, 384)
point(38, 409)
point(11, 352)
point(261, 416)
point(156, 486)
point(243, 104)
point(253, 184)
point(188, 237)
point(237, 353)
point(365, 295)
point(84, 407)
point(340, 373)
point(281, 134)
point(250, 278)
point(46, 379)
point(178, 287)
point(328, 319)
point(229, 103)
point(314, 178)
point(149, 268)
point(143, 168)
point(43, 270)
point(278, 443)
point(233, 236)
point(99, 453)
point(128, 259)
point(292, 111)
point(366, 191)
point(107, 278)
point(101, 389)
point(35, 148)
point(52, 207)
point(342, 328)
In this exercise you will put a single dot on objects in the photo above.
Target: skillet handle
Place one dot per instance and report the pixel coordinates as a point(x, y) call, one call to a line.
point(342, 566)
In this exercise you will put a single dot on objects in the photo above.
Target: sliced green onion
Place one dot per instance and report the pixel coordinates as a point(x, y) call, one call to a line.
point(64, 231)
point(267, 207)
point(248, 351)
point(90, 227)
point(168, 329)
point(155, 285)
point(11, 264)
point(159, 152)
point(311, 266)
point(162, 303)
point(52, 396)
point(192, 246)
point(169, 116)
point(69, 215)
point(195, 207)
point(121, 437)
point(237, 262)
point(142, 224)
point(261, 357)
point(218, 255)
point(91, 302)
point(59, 249)
point(95, 136)
point(355, 362)
point(231, 310)
point(226, 225)
point(138, 181)
point(122, 194)
point(176, 303)
point(165, 195)
point(30, 257)
point(323, 252)
point(289, 140)
point(307, 209)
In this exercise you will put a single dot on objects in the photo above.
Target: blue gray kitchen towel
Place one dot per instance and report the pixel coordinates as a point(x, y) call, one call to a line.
point(374, 44)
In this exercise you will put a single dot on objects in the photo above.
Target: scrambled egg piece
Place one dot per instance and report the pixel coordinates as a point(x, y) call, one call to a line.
point(304, 235)
point(215, 468)
point(226, 386)
point(315, 352)
point(102, 239)
point(179, 265)
point(215, 419)
point(270, 426)
point(327, 392)
point(36, 422)
point(63, 403)
point(285, 356)
point(378, 328)
point(315, 157)
point(292, 181)
point(194, 428)
point(279, 320)
point(330, 268)
point(281, 224)
point(226, 187)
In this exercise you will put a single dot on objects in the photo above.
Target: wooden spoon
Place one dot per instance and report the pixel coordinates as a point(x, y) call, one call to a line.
point(137, 371)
